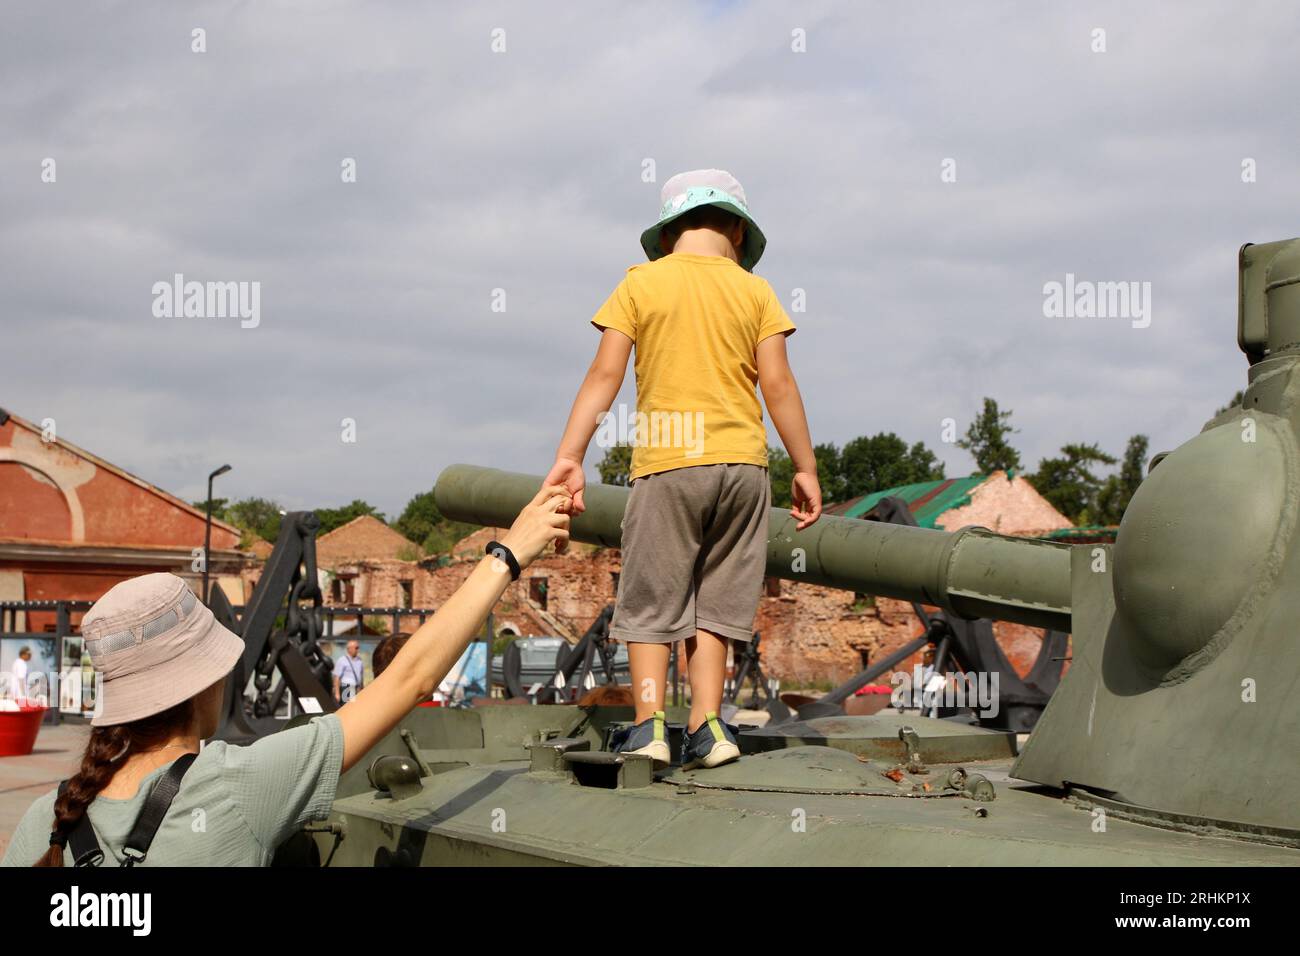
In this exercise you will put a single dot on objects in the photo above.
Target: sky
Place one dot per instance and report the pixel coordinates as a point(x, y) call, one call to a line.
point(922, 172)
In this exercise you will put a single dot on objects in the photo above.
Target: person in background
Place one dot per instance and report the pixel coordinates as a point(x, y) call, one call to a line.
point(386, 650)
point(927, 665)
point(349, 674)
point(608, 695)
point(164, 660)
point(19, 672)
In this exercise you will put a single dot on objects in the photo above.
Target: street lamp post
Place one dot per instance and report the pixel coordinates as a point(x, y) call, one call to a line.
point(207, 532)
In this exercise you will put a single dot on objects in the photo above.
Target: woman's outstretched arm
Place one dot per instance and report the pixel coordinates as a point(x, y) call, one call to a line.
point(434, 648)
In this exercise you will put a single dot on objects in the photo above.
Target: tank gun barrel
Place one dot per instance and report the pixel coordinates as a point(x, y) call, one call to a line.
point(971, 573)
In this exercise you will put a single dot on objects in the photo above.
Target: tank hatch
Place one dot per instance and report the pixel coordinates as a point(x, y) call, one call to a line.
point(822, 770)
point(881, 737)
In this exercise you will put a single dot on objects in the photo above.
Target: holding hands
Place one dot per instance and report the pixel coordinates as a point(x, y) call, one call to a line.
point(543, 520)
point(568, 472)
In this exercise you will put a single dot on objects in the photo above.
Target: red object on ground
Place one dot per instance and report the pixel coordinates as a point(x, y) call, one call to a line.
point(869, 700)
point(429, 703)
point(18, 730)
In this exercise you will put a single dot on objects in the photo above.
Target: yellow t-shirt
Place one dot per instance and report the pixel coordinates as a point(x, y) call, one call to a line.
point(696, 321)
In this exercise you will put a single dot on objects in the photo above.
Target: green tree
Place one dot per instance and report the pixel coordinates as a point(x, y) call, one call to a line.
point(422, 523)
point(780, 474)
point(258, 515)
point(883, 461)
point(1069, 483)
point(218, 507)
point(1117, 490)
point(830, 473)
point(331, 518)
point(253, 516)
point(419, 517)
point(864, 465)
point(616, 467)
point(986, 440)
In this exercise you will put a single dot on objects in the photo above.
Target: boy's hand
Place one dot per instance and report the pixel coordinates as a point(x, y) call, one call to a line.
point(543, 520)
point(806, 497)
point(568, 472)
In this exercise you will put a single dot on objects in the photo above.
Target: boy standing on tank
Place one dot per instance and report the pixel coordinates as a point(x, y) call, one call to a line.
point(706, 332)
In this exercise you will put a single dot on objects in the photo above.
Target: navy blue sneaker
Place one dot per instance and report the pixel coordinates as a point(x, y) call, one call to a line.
point(650, 737)
point(712, 745)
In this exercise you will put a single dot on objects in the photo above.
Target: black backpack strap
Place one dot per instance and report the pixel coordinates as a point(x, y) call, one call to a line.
point(81, 841)
point(154, 810)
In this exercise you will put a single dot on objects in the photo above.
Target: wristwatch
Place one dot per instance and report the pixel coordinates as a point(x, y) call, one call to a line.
point(499, 551)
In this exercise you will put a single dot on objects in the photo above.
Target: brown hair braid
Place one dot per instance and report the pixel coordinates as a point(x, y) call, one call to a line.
point(105, 752)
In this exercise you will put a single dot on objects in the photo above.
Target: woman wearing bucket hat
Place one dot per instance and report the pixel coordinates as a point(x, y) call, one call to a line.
point(164, 660)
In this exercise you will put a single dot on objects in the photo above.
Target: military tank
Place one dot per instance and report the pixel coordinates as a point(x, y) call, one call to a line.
point(1173, 739)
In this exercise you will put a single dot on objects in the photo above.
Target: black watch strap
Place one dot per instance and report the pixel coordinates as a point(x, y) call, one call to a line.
point(502, 553)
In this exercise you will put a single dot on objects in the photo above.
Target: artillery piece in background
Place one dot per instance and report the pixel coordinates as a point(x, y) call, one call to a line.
point(963, 647)
point(1172, 739)
point(280, 634)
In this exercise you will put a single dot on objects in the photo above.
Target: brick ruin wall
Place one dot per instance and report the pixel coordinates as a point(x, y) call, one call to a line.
point(811, 635)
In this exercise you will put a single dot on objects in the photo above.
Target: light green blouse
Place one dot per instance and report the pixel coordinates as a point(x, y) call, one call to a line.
point(235, 805)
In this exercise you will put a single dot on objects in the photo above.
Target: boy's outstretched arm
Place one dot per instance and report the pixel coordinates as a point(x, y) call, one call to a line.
point(604, 379)
point(785, 405)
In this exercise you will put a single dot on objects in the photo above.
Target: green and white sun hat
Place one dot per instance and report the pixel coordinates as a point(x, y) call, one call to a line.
point(705, 187)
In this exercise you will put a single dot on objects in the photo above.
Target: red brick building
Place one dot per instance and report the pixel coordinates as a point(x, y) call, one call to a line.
point(72, 525)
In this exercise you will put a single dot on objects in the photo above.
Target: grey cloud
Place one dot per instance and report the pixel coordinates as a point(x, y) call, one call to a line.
point(522, 171)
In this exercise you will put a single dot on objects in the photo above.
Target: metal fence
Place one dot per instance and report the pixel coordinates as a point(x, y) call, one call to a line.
point(59, 654)
point(394, 615)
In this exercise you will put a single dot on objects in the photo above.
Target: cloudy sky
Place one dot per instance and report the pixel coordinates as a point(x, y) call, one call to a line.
point(522, 170)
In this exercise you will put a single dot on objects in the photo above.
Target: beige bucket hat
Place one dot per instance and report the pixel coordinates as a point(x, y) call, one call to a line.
point(155, 644)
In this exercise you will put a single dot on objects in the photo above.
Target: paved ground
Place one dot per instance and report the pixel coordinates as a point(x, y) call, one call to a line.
point(23, 779)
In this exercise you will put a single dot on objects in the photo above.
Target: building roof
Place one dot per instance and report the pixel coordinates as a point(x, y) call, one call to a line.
point(471, 547)
point(1002, 502)
point(927, 500)
point(76, 497)
point(6, 415)
point(260, 547)
point(361, 539)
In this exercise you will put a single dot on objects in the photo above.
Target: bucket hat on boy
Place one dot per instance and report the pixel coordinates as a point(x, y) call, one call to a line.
point(155, 644)
point(705, 187)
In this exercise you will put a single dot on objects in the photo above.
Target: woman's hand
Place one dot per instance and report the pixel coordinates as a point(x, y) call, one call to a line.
point(806, 497)
point(428, 657)
point(543, 520)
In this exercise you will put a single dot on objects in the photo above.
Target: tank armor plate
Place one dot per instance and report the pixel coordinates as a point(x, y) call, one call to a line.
point(877, 737)
point(815, 770)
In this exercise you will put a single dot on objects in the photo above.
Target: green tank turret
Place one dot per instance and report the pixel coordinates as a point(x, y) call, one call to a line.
point(1171, 740)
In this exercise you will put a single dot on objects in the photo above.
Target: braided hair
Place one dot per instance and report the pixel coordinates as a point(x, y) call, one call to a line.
point(106, 753)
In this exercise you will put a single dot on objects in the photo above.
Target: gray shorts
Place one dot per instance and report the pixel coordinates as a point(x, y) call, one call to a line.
point(694, 554)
